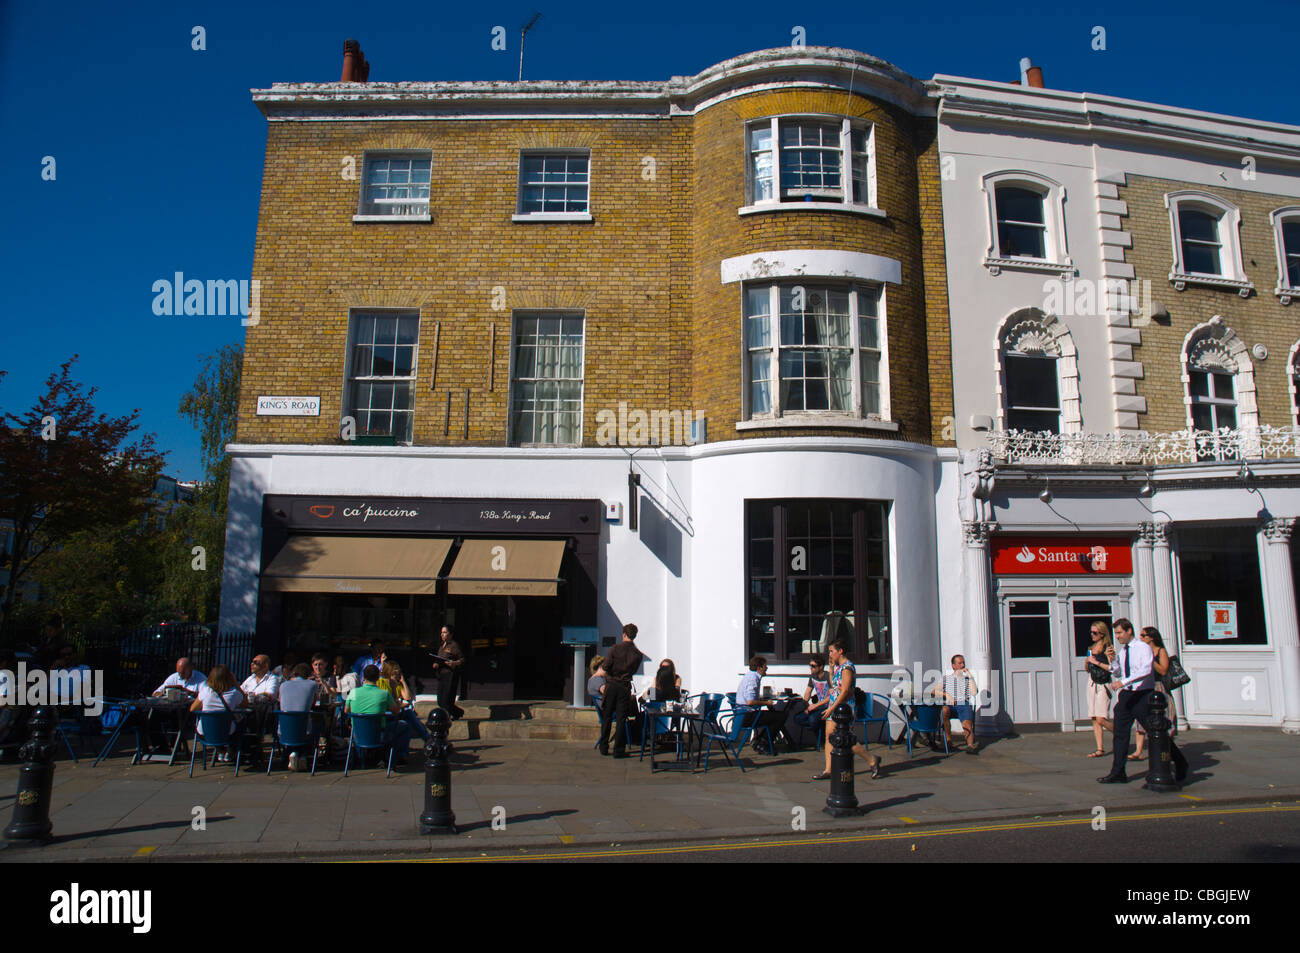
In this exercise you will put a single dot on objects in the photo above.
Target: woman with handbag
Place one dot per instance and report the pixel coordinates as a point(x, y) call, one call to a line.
point(1099, 685)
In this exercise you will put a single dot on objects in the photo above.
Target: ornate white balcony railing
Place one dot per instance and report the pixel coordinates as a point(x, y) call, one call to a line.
point(1145, 449)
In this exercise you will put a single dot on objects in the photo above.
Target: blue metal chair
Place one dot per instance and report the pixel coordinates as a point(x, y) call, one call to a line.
point(74, 722)
point(731, 697)
point(656, 724)
point(925, 721)
point(217, 731)
point(294, 729)
point(730, 729)
point(367, 735)
point(862, 715)
point(115, 717)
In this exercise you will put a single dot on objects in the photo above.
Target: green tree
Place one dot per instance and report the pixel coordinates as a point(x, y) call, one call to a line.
point(65, 470)
point(191, 580)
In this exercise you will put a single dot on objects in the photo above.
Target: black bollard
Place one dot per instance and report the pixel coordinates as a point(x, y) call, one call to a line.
point(841, 802)
point(437, 817)
point(31, 820)
point(1160, 773)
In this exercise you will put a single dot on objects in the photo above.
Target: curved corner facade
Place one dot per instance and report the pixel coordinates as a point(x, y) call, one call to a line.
point(677, 352)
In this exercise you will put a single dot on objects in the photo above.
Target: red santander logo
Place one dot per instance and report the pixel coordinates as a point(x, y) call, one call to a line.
point(1048, 556)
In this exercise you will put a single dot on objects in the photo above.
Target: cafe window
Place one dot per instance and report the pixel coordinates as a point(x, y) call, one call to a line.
point(817, 570)
point(1223, 603)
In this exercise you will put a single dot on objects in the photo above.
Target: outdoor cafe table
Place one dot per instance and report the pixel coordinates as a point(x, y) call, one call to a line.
point(691, 721)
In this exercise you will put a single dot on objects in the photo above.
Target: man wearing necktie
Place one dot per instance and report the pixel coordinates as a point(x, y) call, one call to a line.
point(1134, 681)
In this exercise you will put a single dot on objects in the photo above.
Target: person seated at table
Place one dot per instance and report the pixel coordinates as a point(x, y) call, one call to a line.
point(343, 679)
point(816, 695)
point(285, 669)
point(300, 691)
point(261, 681)
point(842, 679)
point(219, 693)
point(596, 681)
point(375, 658)
point(320, 674)
point(184, 678)
point(748, 696)
point(394, 682)
point(369, 699)
point(667, 685)
point(960, 693)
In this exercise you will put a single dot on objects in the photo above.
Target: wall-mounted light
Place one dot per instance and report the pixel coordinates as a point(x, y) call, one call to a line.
point(1046, 494)
point(1148, 490)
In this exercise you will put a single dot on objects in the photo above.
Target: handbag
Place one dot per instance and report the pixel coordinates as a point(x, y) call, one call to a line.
point(1177, 676)
point(1100, 676)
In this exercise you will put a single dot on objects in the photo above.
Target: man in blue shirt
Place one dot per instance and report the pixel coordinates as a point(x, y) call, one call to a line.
point(375, 658)
point(748, 696)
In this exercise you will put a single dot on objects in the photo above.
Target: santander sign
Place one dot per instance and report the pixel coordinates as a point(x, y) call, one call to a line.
point(1041, 556)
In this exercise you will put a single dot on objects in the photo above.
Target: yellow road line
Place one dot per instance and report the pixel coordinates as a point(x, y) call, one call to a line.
point(1190, 797)
point(909, 820)
point(851, 839)
point(145, 851)
point(566, 838)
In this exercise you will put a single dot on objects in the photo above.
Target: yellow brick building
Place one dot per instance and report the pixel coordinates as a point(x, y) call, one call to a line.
point(677, 352)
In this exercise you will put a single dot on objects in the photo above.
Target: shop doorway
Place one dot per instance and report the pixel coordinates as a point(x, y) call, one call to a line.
point(512, 646)
point(1045, 637)
point(1031, 678)
point(1083, 613)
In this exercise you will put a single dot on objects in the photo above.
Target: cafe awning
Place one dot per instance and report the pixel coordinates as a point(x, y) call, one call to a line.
point(506, 567)
point(405, 565)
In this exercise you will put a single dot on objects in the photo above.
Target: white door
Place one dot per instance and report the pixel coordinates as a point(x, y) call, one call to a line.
point(1028, 640)
point(1084, 611)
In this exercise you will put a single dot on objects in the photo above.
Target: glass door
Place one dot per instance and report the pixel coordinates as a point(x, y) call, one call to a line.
point(1031, 676)
point(1085, 611)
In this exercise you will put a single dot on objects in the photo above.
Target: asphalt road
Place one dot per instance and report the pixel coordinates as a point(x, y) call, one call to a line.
point(1214, 835)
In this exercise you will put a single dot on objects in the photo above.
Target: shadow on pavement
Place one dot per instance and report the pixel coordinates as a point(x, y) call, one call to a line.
point(892, 802)
point(516, 819)
point(109, 831)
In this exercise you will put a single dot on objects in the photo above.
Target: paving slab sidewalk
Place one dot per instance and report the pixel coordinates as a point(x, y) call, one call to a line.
point(545, 794)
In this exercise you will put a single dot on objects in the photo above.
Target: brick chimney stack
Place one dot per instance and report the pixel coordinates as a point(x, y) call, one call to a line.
point(355, 67)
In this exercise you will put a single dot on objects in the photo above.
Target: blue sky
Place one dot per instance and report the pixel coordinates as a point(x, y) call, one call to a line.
point(158, 148)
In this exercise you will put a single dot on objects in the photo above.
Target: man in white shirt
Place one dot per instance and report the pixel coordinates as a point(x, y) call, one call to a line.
point(1134, 681)
point(261, 681)
point(184, 677)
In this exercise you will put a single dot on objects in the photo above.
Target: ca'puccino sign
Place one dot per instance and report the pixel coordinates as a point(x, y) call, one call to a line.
point(1045, 556)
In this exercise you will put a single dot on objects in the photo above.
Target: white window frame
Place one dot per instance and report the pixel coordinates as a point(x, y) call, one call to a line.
point(1008, 409)
point(372, 155)
point(846, 202)
point(350, 356)
point(1235, 359)
point(1293, 383)
point(778, 416)
point(522, 216)
point(1233, 269)
point(1031, 331)
point(515, 315)
point(1290, 215)
point(1056, 249)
